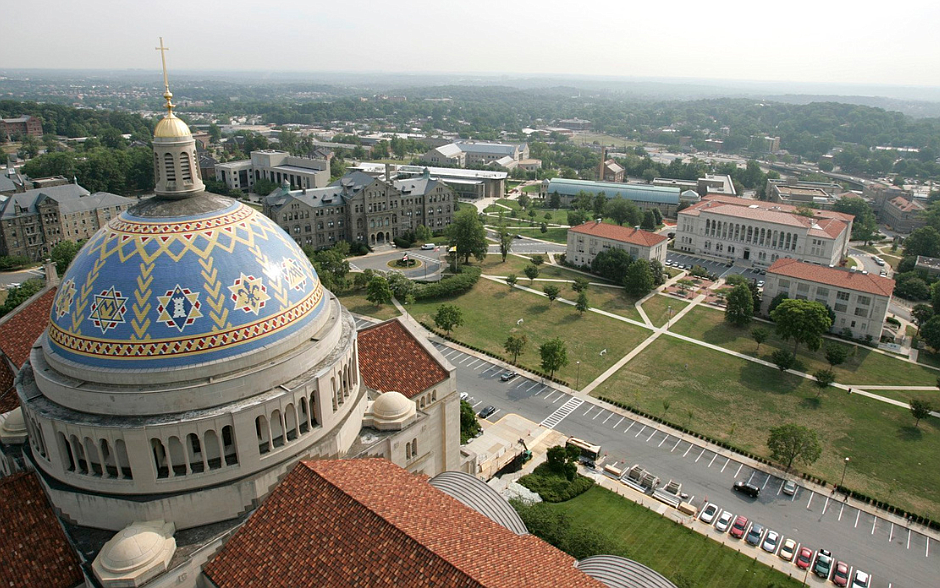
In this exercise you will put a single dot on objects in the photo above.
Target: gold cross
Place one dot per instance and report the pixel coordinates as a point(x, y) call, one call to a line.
point(163, 51)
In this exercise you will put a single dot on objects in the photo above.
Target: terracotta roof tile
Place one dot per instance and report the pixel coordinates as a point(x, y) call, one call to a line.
point(18, 332)
point(905, 205)
point(838, 277)
point(618, 233)
point(390, 358)
point(370, 523)
point(33, 548)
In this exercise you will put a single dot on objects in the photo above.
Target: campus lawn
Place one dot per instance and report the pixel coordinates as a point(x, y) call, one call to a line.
point(684, 556)
point(891, 260)
point(554, 234)
point(494, 266)
point(739, 401)
point(356, 303)
point(491, 311)
point(864, 366)
point(658, 308)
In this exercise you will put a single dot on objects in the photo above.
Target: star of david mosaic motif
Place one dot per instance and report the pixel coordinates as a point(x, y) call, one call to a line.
point(178, 308)
point(108, 310)
point(294, 274)
point(249, 294)
point(63, 300)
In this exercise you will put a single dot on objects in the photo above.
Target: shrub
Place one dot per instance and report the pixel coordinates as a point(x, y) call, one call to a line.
point(457, 284)
point(553, 487)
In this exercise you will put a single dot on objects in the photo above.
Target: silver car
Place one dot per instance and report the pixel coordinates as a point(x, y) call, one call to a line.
point(771, 541)
point(709, 513)
point(724, 521)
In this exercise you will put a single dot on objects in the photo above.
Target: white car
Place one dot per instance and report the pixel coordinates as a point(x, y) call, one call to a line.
point(787, 550)
point(789, 488)
point(428, 247)
point(771, 541)
point(862, 580)
point(709, 513)
point(724, 521)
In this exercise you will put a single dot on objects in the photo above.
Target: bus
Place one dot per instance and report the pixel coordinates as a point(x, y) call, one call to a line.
point(590, 453)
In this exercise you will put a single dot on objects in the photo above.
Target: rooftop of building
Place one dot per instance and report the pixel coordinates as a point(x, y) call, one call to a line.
point(905, 205)
point(833, 276)
point(928, 262)
point(33, 547)
point(630, 235)
point(390, 528)
point(445, 173)
point(18, 333)
point(640, 192)
point(392, 358)
point(823, 223)
point(28, 200)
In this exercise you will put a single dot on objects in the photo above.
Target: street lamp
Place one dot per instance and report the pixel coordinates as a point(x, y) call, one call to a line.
point(577, 384)
point(669, 311)
point(845, 467)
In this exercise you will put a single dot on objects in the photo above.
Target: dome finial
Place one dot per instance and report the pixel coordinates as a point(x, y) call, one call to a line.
point(166, 83)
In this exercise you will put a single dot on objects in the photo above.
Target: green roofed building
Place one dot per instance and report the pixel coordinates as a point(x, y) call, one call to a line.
point(645, 196)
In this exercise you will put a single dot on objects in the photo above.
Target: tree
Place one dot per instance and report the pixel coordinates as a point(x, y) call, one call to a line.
point(563, 460)
point(619, 210)
point(17, 295)
point(378, 292)
point(930, 332)
point(554, 355)
point(551, 292)
point(920, 409)
point(600, 203)
point(824, 379)
point(523, 200)
point(649, 221)
point(775, 302)
point(505, 240)
point(659, 274)
point(469, 425)
point(864, 227)
point(804, 321)
point(448, 317)
point(582, 304)
point(790, 442)
point(63, 253)
point(923, 241)
point(263, 186)
point(580, 284)
point(515, 344)
point(760, 334)
point(638, 280)
point(783, 358)
point(921, 313)
point(531, 272)
point(612, 264)
point(657, 216)
point(511, 281)
point(537, 260)
point(740, 308)
point(836, 354)
point(468, 235)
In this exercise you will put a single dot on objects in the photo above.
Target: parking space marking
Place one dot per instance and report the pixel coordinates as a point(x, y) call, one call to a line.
point(908, 538)
point(474, 363)
point(739, 470)
point(713, 460)
point(640, 431)
point(663, 441)
point(891, 534)
point(678, 441)
point(451, 353)
point(927, 553)
point(631, 426)
point(607, 419)
point(494, 414)
point(651, 435)
point(825, 506)
point(550, 395)
point(465, 359)
point(599, 413)
point(811, 493)
point(751, 477)
point(873, 523)
point(534, 384)
point(618, 422)
point(857, 516)
point(841, 510)
point(590, 408)
point(765, 481)
point(492, 367)
point(780, 489)
point(727, 461)
point(700, 455)
point(560, 396)
point(687, 450)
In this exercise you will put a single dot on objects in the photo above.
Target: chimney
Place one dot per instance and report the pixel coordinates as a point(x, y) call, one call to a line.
point(52, 277)
point(388, 172)
point(600, 168)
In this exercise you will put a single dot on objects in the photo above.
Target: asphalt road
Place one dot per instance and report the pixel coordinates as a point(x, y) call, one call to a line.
point(9, 279)
point(895, 555)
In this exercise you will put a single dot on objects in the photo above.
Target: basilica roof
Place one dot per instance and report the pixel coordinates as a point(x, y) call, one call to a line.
point(18, 332)
point(172, 283)
point(391, 358)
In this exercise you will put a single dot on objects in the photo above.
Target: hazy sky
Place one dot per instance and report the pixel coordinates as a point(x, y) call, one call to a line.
point(792, 40)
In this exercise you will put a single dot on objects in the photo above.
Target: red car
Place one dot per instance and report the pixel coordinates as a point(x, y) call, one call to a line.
point(739, 527)
point(804, 558)
point(840, 577)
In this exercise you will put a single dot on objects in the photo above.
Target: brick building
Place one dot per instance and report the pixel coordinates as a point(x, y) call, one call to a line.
point(19, 126)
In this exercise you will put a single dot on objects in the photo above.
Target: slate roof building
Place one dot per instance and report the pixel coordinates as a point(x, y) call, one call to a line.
point(759, 233)
point(464, 153)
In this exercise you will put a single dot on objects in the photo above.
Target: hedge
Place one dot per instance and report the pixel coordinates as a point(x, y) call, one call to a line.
point(554, 488)
point(456, 284)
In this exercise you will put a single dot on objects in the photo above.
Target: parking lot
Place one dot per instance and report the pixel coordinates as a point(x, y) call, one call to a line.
point(715, 267)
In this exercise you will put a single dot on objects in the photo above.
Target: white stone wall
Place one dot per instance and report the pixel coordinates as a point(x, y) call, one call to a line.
point(582, 249)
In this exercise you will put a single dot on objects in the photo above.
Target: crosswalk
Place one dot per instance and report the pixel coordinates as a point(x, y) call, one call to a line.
point(552, 420)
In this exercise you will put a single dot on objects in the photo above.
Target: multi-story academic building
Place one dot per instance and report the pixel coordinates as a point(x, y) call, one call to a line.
point(759, 233)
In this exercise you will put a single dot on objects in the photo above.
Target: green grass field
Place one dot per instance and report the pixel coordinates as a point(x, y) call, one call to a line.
point(684, 556)
point(661, 308)
point(739, 402)
point(864, 366)
point(356, 303)
point(554, 234)
point(494, 265)
point(491, 311)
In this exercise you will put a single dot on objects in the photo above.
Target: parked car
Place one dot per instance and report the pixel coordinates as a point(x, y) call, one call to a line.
point(428, 247)
point(823, 564)
point(878, 260)
point(804, 558)
point(760, 283)
point(724, 521)
point(508, 376)
point(464, 395)
point(771, 542)
point(746, 488)
point(708, 513)
point(787, 550)
point(755, 534)
point(739, 527)
point(487, 411)
point(883, 274)
point(789, 488)
point(861, 579)
point(840, 577)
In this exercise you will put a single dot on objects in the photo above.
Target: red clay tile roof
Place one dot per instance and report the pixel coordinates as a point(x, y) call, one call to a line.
point(390, 358)
point(618, 233)
point(369, 523)
point(825, 223)
point(18, 332)
point(840, 278)
point(905, 205)
point(747, 202)
point(33, 548)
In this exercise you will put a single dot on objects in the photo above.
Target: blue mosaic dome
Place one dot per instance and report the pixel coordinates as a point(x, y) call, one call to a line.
point(167, 284)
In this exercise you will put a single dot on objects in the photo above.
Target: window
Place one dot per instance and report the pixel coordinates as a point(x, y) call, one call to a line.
point(844, 296)
point(840, 307)
point(864, 300)
point(860, 311)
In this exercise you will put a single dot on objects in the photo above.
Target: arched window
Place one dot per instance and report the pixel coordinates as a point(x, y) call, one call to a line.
point(290, 417)
point(277, 428)
point(212, 450)
point(65, 449)
point(304, 416)
point(264, 438)
point(196, 456)
point(414, 447)
point(228, 445)
point(169, 167)
point(79, 452)
point(159, 458)
point(156, 168)
point(186, 170)
point(120, 452)
point(177, 457)
point(107, 459)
